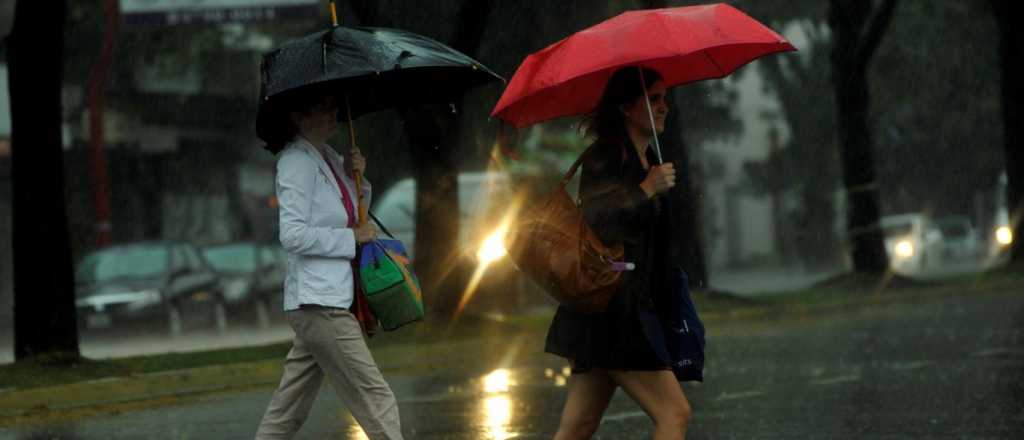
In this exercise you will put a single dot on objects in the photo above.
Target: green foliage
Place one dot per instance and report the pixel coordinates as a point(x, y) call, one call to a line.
point(33, 373)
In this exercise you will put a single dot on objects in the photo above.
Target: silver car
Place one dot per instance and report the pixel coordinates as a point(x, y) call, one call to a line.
point(252, 275)
point(147, 280)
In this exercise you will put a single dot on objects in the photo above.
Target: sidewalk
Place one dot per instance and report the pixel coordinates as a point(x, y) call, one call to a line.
point(116, 394)
point(105, 346)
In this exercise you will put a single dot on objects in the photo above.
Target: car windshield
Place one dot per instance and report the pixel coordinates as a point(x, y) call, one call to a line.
point(132, 262)
point(232, 258)
point(898, 230)
point(953, 229)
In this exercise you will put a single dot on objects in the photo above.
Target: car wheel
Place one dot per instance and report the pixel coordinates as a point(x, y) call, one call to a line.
point(174, 318)
point(220, 315)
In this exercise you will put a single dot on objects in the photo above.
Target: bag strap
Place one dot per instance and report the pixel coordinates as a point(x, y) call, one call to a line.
point(575, 166)
point(579, 161)
point(379, 224)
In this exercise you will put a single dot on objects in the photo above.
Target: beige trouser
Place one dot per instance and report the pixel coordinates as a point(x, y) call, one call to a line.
point(330, 341)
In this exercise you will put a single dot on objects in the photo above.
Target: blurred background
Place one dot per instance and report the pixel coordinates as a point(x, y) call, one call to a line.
point(178, 194)
point(844, 222)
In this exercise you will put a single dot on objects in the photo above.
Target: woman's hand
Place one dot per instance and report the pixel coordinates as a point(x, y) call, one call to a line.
point(660, 178)
point(355, 163)
point(365, 233)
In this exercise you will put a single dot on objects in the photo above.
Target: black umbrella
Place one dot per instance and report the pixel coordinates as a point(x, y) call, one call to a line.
point(370, 68)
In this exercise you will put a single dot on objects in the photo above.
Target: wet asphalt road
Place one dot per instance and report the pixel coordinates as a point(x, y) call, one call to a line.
point(950, 368)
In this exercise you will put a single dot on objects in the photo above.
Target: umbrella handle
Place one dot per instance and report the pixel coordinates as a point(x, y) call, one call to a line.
point(334, 14)
point(357, 176)
point(650, 115)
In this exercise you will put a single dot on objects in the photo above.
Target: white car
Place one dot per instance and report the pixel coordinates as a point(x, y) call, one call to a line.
point(482, 198)
point(960, 239)
point(912, 241)
point(486, 200)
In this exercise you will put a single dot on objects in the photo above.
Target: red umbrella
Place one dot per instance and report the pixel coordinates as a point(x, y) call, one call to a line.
point(684, 45)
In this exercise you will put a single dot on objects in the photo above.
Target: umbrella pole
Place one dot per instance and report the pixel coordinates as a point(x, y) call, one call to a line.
point(650, 115)
point(334, 14)
point(357, 176)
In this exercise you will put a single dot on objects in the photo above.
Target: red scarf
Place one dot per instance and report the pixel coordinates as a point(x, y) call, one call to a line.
point(360, 305)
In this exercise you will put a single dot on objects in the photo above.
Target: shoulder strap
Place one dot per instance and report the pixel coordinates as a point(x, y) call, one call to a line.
point(579, 161)
point(575, 166)
point(379, 224)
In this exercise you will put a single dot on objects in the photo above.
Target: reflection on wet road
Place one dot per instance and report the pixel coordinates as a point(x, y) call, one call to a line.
point(947, 368)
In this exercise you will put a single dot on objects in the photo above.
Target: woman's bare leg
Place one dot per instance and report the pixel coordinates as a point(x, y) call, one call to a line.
point(659, 394)
point(589, 394)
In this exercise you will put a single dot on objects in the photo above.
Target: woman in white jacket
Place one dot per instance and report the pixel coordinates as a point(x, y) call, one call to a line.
point(317, 202)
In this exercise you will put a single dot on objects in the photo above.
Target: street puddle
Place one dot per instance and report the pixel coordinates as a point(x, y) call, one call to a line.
point(496, 408)
point(837, 380)
point(739, 395)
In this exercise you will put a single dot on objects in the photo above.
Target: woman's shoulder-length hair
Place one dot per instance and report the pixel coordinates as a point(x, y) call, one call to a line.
point(606, 121)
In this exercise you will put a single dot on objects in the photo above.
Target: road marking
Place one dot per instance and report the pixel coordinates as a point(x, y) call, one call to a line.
point(904, 366)
point(835, 380)
point(739, 395)
point(624, 416)
point(995, 352)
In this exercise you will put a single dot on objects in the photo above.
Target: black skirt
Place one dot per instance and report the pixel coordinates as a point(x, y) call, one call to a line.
point(612, 340)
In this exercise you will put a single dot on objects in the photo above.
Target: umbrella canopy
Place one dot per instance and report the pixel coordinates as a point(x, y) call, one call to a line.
point(373, 68)
point(684, 44)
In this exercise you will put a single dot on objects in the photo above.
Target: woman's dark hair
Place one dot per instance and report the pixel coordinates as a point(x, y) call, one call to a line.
point(624, 87)
point(277, 127)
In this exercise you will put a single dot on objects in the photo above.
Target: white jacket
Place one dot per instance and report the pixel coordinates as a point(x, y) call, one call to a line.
point(313, 227)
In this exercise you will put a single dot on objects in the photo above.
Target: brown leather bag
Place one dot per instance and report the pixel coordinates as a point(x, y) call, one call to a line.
point(556, 248)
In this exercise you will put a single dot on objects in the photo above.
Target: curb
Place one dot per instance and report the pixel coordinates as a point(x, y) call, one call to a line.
point(16, 405)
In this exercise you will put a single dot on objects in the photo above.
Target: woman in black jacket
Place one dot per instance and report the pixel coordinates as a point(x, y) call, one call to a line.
point(624, 200)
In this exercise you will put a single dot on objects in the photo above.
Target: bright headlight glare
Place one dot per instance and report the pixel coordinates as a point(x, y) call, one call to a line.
point(1004, 235)
point(904, 249)
point(492, 248)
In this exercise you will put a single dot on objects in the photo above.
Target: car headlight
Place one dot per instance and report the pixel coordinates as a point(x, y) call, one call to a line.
point(904, 249)
point(1004, 235)
point(493, 247)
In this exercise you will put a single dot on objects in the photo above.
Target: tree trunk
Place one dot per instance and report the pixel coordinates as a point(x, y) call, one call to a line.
point(1011, 53)
point(434, 134)
point(441, 271)
point(44, 295)
point(857, 28)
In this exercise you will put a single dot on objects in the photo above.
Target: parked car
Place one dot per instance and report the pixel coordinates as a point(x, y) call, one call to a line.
point(912, 241)
point(252, 274)
point(145, 280)
point(959, 237)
